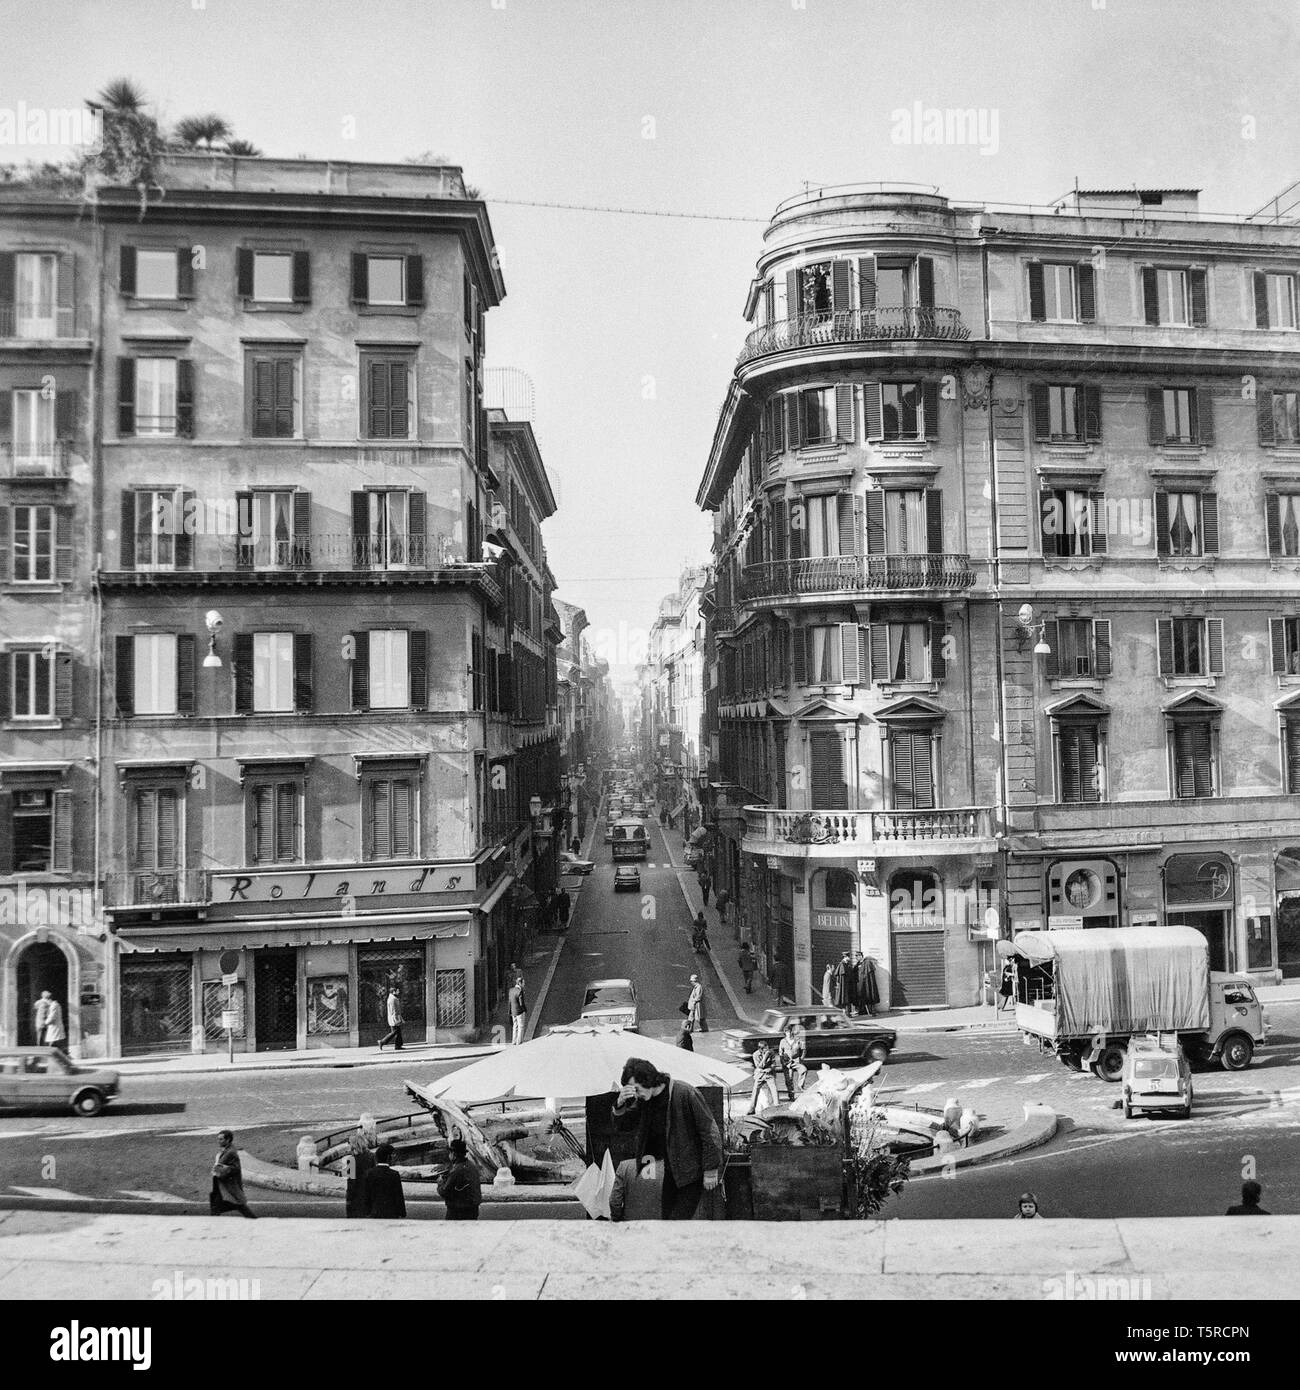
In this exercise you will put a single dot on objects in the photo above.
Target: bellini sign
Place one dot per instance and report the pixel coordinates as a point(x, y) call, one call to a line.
point(360, 881)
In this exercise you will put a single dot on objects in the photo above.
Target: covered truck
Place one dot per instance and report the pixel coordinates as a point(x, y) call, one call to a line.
point(1083, 994)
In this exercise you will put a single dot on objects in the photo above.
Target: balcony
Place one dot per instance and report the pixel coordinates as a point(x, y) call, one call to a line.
point(37, 323)
point(836, 834)
point(157, 888)
point(35, 462)
point(857, 574)
point(854, 326)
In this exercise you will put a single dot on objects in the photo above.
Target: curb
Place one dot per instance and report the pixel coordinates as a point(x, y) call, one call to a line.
point(274, 1177)
point(1040, 1125)
point(535, 1013)
point(426, 1054)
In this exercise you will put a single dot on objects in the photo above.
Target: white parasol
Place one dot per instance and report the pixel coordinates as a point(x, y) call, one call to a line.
point(576, 1061)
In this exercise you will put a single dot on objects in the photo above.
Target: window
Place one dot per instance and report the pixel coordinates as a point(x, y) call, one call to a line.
point(389, 529)
point(155, 828)
point(1080, 760)
point(1058, 294)
point(1080, 648)
point(32, 825)
point(391, 281)
point(389, 680)
point(268, 538)
point(386, 278)
point(156, 274)
point(909, 652)
point(905, 522)
point(1073, 523)
point(1062, 292)
point(273, 277)
point(273, 671)
point(154, 522)
point(1275, 300)
point(841, 889)
point(388, 389)
point(275, 810)
point(155, 395)
point(35, 291)
point(1066, 414)
point(893, 286)
point(817, 416)
point(815, 291)
point(901, 409)
point(1187, 523)
point(31, 685)
point(827, 781)
point(1284, 641)
point(1278, 417)
point(1194, 756)
point(155, 674)
point(34, 433)
point(1174, 296)
point(33, 543)
point(823, 524)
point(389, 809)
point(275, 396)
point(1282, 515)
point(1190, 646)
point(824, 663)
point(911, 762)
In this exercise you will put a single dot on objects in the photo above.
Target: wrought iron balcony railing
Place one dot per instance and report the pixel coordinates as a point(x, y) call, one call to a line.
point(38, 321)
point(834, 574)
point(854, 326)
point(46, 460)
point(157, 887)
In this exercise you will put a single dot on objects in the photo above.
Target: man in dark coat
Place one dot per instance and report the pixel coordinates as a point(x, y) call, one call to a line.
point(460, 1187)
point(1251, 1192)
point(673, 1126)
point(362, 1161)
point(382, 1195)
point(228, 1180)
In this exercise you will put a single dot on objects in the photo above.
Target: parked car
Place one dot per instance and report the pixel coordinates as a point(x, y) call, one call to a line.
point(571, 864)
point(638, 809)
point(831, 1036)
point(38, 1077)
point(627, 878)
point(609, 832)
point(1157, 1076)
point(611, 1002)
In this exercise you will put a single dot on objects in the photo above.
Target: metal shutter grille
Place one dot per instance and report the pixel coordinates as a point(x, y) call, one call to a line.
point(156, 1004)
point(450, 994)
point(919, 973)
point(827, 948)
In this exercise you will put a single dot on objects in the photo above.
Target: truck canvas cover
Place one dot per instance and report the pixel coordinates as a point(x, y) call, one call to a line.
point(1124, 979)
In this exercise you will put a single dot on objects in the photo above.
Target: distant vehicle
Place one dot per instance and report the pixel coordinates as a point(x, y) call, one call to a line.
point(1157, 1076)
point(1100, 986)
point(638, 809)
point(830, 1036)
point(630, 840)
point(609, 832)
point(40, 1077)
point(611, 1002)
point(627, 878)
point(571, 864)
point(694, 856)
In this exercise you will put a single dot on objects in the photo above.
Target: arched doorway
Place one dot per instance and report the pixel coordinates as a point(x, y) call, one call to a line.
point(41, 966)
point(916, 936)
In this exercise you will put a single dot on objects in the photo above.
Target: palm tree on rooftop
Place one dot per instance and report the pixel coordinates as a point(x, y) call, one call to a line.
point(207, 131)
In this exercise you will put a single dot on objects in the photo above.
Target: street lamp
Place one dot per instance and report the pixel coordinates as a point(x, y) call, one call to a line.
point(213, 622)
point(1030, 628)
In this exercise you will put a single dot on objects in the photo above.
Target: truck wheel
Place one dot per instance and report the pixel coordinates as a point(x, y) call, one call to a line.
point(1071, 1058)
point(1109, 1066)
point(1237, 1052)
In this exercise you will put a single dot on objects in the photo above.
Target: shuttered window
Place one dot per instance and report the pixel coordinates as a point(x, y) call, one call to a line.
point(1174, 296)
point(1284, 643)
point(277, 822)
point(1080, 765)
point(386, 404)
point(274, 393)
point(1190, 646)
point(1275, 299)
point(1291, 753)
point(828, 785)
point(1193, 745)
point(156, 828)
point(1073, 523)
point(390, 818)
point(911, 761)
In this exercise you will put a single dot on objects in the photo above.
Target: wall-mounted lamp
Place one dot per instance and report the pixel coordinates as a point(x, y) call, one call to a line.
point(1029, 628)
point(214, 623)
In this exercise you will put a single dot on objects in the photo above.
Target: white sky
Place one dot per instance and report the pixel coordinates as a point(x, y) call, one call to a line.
point(629, 326)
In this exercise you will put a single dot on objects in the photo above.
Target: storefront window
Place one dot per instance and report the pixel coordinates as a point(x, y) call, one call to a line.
point(215, 996)
point(1199, 893)
point(327, 1005)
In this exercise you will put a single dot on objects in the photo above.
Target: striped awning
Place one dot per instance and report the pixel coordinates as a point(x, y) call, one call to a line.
point(250, 933)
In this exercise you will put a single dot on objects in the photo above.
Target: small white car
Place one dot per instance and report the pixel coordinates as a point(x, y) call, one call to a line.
point(1156, 1076)
point(612, 1003)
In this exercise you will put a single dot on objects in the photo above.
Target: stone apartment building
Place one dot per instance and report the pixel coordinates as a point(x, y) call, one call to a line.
point(1005, 592)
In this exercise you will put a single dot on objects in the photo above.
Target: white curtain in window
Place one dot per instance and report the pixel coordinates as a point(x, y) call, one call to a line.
point(1289, 509)
point(905, 523)
point(273, 671)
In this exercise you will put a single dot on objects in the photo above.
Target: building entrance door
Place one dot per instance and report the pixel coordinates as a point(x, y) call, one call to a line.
point(378, 967)
point(275, 1011)
point(1215, 926)
point(41, 966)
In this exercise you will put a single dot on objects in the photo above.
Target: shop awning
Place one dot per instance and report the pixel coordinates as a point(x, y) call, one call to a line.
point(250, 933)
point(496, 894)
point(699, 833)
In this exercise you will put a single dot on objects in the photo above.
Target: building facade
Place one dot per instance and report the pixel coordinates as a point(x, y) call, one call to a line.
point(1005, 582)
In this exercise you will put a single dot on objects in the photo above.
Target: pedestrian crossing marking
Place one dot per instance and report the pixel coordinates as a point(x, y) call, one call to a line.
point(95, 1133)
point(142, 1196)
point(983, 1081)
point(927, 1086)
point(1029, 1080)
point(60, 1193)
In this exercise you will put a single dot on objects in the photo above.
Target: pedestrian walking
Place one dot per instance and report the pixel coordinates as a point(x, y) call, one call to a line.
point(1007, 985)
point(638, 1193)
point(778, 976)
point(695, 1007)
point(1027, 1207)
point(459, 1187)
point(382, 1198)
point(575, 845)
point(1251, 1192)
point(765, 1061)
point(394, 1010)
point(228, 1179)
point(566, 907)
point(705, 884)
point(868, 990)
point(791, 1054)
point(828, 986)
point(700, 934)
point(748, 964)
point(360, 1161)
point(722, 902)
point(673, 1127)
point(684, 1036)
point(518, 1013)
point(49, 1021)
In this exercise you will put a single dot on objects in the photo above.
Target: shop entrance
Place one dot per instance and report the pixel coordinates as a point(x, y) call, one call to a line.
point(1215, 927)
point(916, 939)
point(1199, 892)
point(41, 966)
point(379, 967)
point(275, 995)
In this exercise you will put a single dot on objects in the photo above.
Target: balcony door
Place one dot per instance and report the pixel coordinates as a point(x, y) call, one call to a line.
point(35, 292)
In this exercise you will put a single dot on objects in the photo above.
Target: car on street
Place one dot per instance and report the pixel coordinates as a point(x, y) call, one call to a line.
point(571, 864)
point(610, 1002)
point(638, 810)
point(830, 1036)
point(42, 1077)
point(1156, 1076)
point(627, 879)
point(609, 832)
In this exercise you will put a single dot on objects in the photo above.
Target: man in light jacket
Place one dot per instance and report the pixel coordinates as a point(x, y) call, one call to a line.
point(394, 1034)
point(695, 1006)
point(674, 1128)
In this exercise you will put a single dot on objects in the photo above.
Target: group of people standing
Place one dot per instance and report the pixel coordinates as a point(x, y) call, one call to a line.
point(47, 1018)
point(374, 1187)
point(850, 984)
point(788, 1058)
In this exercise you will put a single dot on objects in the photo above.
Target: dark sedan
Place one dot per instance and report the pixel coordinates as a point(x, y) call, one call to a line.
point(830, 1036)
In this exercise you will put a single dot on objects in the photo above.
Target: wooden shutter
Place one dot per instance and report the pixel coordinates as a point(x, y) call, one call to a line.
point(799, 655)
point(1196, 287)
point(184, 272)
point(286, 820)
point(6, 689)
point(63, 550)
point(302, 528)
point(125, 396)
point(1291, 738)
point(879, 643)
point(124, 674)
point(829, 789)
point(1277, 645)
point(1052, 636)
point(126, 270)
point(859, 526)
point(182, 536)
point(302, 277)
point(1037, 295)
point(794, 429)
point(302, 671)
point(1087, 279)
point(1090, 399)
point(263, 397)
point(850, 667)
point(873, 410)
point(360, 530)
point(403, 839)
point(1261, 299)
point(930, 408)
point(361, 671)
point(1192, 750)
point(418, 667)
point(1264, 417)
point(417, 513)
point(1150, 294)
point(283, 406)
point(938, 662)
point(6, 415)
point(1214, 645)
point(1165, 646)
point(1203, 404)
point(1079, 748)
point(867, 282)
point(792, 306)
point(399, 412)
point(1155, 415)
point(244, 273)
point(913, 774)
point(1162, 523)
point(845, 421)
point(840, 274)
point(8, 272)
point(1209, 523)
point(476, 670)
point(360, 278)
point(185, 654)
point(185, 398)
point(934, 520)
point(1040, 399)
point(241, 656)
point(875, 502)
point(1097, 537)
point(380, 819)
point(61, 860)
point(798, 513)
point(244, 546)
point(778, 530)
point(415, 280)
point(1272, 522)
point(6, 572)
point(925, 282)
point(63, 678)
point(263, 823)
point(65, 415)
point(844, 505)
point(1101, 651)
